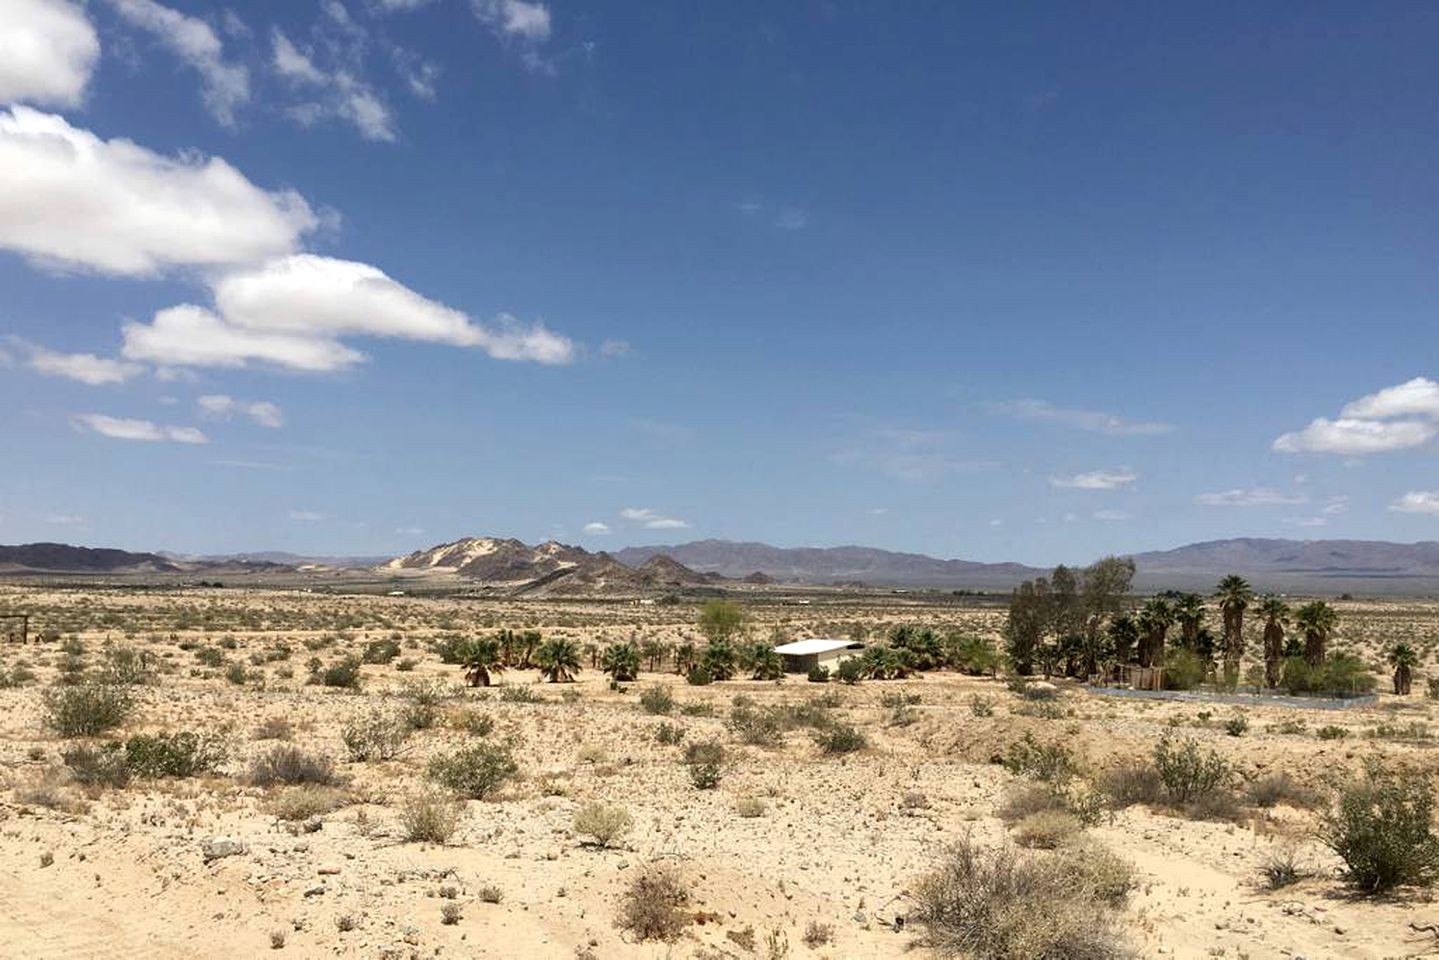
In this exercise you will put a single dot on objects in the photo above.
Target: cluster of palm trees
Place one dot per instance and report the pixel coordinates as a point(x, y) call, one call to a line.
point(1147, 632)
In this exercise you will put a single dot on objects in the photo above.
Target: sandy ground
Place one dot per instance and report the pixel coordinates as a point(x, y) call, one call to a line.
point(120, 873)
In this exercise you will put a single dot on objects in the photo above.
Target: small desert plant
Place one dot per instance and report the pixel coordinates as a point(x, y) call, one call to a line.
point(1237, 725)
point(430, 816)
point(981, 706)
point(840, 738)
point(750, 807)
point(474, 722)
point(125, 666)
point(1281, 868)
point(818, 673)
point(375, 736)
point(516, 693)
point(1331, 732)
point(451, 913)
point(1003, 904)
point(380, 651)
point(669, 734)
point(182, 754)
point(87, 710)
point(657, 700)
point(755, 726)
point(817, 934)
point(1047, 829)
point(1276, 788)
point(1381, 827)
point(102, 766)
point(1189, 774)
point(604, 824)
point(706, 763)
point(652, 907)
point(490, 893)
point(274, 728)
point(305, 801)
point(1048, 762)
point(476, 771)
point(284, 764)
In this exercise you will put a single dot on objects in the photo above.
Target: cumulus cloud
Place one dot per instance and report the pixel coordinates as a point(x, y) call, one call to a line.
point(225, 86)
point(222, 407)
point(48, 49)
point(82, 367)
point(341, 93)
point(289, 312)
point(1353, 437)
point(58, 184)
point(1094, 421)
point(120, 428)
point(597, 528)
point(1417, 501)
point(1395, 418)
point(652, 519)
point(516, 18)
point(1097, 480)
point(1252, 497)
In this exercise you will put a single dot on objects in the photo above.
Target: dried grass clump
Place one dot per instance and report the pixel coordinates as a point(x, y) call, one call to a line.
point(306, 801)
point(431, 816)
point(291, 765)
point(1003, 904)
point(604, 825)
point(1047, 830)
point(653, 906)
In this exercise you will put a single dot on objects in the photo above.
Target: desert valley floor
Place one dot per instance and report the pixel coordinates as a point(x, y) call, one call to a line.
point(796, 852)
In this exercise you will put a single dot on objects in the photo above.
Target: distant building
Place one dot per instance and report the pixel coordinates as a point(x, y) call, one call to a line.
point(802, 656)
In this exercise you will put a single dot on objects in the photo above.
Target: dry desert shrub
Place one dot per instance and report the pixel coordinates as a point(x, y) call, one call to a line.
point(475, 772)
point(1277, 788)
point(97, 766)
point(377, 735)
point(87, 710)
point(1047, 829)
point(1381, 826)
point(284, 764)
point(306, 801)
point(1004, 904)
point(652, 907)
point(430, 816)
point(183, 754)
point(605, 825)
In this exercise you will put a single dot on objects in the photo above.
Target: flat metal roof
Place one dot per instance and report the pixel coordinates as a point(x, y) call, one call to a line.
point(802, 648)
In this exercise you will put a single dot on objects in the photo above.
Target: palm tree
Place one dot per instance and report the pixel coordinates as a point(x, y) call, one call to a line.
point(654, 652)
point(480, 657)
point(1189, 612)
point(765, 664)
point(1317, 620)
point(1233, 594)
point(718, 660)
point(685, 657)
point(530, 642)
point(1405, 659)
point(621, 661)
point(1155, 619)
point(558, 660)
point(1276, 617)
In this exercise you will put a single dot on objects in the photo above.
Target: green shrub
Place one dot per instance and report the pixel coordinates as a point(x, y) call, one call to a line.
point(605, 825)
point(1237, 725)
point(380, 651)
point(840, 738)
point(706, 763)
point(699, 676)
point(850, 670)
point(1189, 774)
point(818, 673)
point(87, 710)
point(669, 734)
point(1049, 762)
point(183, 754)
point(1331, 732)
point(476, 771)
point(756, 726)
point(375, 736)
point(1183, 669)
point(657, 700)
point(1382, 828)
point(344, 673)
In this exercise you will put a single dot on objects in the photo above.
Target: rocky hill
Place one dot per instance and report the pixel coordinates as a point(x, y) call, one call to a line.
point(63, 558)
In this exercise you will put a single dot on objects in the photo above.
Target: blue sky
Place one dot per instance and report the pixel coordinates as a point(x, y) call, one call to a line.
point(1016, 281)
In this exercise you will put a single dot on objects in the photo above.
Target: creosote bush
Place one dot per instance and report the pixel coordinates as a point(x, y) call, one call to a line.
point(87, 710)
point(1189, 774)
point(706, 763)
point(653, 906)
point(183, 754)
point(376, 735)
point(604, 825)
point(476, 771)
point(1004, 904)
point(99, 766)
point(285, 764)
point(657, 700)
point(840, 738)
point(1381, 826)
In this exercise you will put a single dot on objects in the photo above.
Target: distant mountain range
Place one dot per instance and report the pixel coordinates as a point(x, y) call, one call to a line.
point(511, 567)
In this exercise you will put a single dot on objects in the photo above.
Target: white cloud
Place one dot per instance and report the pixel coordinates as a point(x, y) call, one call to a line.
point(226, 86)
point(615, 349)
point(1417, 501)
point(47, 50)
point(1336, 505)
point(517, 18)
point(652, 520)
point(1111, 515)
point(223, 407)
point(1371, 424)
point(306, 516)
point(343, 94)
point(119, 428)
point(191, 336)
point(1316, 521)
point(289, 312)
point(1097, 480)
point(1356, 437)
point(65, 519)
point(1093, 421)
point(84, 367)
point(1417, 397)
point(67, 197)
point(1253, 497)
point(597, 529)
point(409, 531)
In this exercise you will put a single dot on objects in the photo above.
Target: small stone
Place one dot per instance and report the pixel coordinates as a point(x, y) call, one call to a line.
point(217, 848)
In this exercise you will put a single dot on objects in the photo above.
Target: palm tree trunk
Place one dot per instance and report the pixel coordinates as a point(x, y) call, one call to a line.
point(1273, 653)
point(1314, 648)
